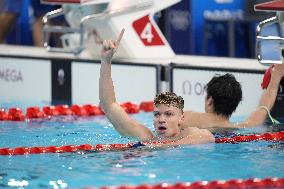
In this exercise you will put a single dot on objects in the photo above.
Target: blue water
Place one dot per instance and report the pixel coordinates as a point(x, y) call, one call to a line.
point(134, 166)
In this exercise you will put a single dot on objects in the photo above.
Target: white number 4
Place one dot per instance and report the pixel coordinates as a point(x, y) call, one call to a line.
point(147, 33)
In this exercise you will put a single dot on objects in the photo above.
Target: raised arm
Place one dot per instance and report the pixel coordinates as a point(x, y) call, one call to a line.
point(267, 100)
point(122, 122)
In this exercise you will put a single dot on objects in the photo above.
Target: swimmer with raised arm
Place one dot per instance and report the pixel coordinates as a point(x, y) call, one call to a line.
point(168, 110)
point(223, 96)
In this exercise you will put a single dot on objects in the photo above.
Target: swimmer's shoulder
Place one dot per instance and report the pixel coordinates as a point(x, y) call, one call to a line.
point(195, 130)
point(196, 135)
point(194, 119)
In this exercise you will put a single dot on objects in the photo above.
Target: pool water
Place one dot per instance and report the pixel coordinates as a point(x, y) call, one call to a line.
point(133, 166)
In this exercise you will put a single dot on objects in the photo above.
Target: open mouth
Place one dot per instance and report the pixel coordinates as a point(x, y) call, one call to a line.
point(162, 128)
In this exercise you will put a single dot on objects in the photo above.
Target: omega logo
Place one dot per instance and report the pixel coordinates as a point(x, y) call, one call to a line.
point(189, 88)
point(11, 75)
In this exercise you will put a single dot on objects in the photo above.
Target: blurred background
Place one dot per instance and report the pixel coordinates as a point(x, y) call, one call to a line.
point(223, 28)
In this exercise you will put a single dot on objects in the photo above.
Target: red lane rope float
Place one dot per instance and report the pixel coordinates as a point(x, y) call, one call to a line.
point(34, 112)
point(216, 184)
point(130, 107)
point(50, 111)
point(278, 136)
point(93, 110)
point(16, 114)
point(147, 106)
point(64, 110)
point(3, 115)
point(79, 110)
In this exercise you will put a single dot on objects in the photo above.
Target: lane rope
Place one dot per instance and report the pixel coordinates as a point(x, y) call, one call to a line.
point(252, 183)
point(277, 136)
point(16, 113)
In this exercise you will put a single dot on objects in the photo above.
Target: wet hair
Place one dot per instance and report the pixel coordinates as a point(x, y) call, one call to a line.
point(226, 93)
point(170, 99)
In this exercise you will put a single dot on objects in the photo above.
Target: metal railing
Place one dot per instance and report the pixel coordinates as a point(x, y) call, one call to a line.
point(260, 38)
point(48, 29)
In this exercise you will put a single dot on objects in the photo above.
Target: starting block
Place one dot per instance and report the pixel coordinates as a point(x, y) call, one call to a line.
point(91, 21)
point(276, 6)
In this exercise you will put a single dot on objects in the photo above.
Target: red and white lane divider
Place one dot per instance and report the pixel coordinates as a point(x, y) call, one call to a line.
point(71, 148)
point(216, 184)
point(277, 136)
point(16, 114)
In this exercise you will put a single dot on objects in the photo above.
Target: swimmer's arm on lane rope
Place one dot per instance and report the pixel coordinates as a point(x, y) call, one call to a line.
point(267, 100)
point(122, 122)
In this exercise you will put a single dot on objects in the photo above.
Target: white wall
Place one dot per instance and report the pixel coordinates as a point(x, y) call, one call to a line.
point(25, 79)
point(132, 82)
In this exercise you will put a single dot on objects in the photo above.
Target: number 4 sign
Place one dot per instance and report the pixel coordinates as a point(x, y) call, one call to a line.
point(147, 32)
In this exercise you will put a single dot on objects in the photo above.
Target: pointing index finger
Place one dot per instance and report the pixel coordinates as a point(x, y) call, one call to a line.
point(120, 36)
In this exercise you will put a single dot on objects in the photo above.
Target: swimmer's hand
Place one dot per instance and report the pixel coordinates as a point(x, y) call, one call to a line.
point(110, 47)
point(278, 70)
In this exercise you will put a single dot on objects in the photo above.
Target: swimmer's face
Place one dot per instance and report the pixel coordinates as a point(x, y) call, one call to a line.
point(167, 120)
